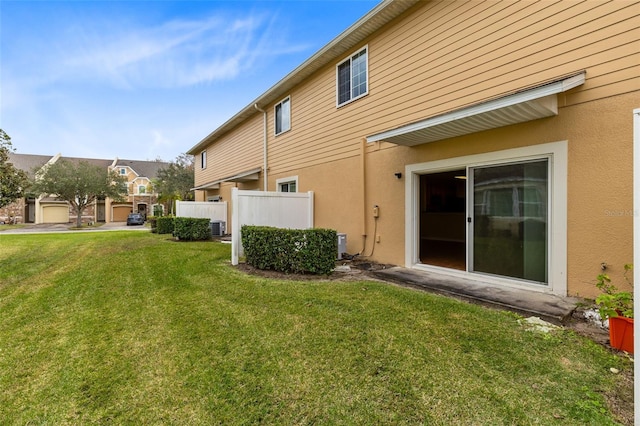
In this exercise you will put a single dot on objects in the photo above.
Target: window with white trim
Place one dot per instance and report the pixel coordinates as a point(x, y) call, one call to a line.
point(142, 189)
point(283, 116)
point(203, 160)
point(352, 77)
point(123, 171)
point(288, 184)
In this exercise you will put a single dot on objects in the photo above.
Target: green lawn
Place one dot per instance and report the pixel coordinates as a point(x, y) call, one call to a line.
point(132, 328)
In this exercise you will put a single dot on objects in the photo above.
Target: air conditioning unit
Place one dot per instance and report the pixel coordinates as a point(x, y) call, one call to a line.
point(218, 228)
point(342, 245)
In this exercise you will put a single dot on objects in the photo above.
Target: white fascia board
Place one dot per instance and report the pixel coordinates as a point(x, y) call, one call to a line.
point(486, 107)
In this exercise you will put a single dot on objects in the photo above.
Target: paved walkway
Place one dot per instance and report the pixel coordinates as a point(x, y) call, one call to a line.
point(45, 228)
point(547, 306)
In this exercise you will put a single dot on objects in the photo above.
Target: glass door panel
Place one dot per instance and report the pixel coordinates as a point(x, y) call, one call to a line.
point(510, 220)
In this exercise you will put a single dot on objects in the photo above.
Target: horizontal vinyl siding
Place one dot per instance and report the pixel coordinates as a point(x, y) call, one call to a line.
point(442, 56)
point(441, 68)
point(236, 152)
point(317, 128)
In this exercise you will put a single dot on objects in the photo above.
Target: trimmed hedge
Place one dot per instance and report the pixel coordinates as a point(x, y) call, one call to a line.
point(153, 221)
point(165, 225)
point(192, 229)
point(298, 251)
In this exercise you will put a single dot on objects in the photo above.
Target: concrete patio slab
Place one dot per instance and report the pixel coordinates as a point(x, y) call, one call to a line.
point(528, 302)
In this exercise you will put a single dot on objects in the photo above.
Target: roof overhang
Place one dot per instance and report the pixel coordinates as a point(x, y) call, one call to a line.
point(528, 105)
point(246, 176)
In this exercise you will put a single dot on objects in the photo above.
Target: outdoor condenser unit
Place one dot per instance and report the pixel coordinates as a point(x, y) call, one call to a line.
point(218, 228)
point(342, 245)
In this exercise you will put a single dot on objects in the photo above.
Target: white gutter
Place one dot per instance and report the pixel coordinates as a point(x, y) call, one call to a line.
point(264, 148)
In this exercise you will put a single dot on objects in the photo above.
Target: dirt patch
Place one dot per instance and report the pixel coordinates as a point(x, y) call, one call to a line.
point(345, 271)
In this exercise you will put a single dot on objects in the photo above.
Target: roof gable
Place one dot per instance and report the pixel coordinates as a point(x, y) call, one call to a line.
point(28, 163)
point(147, 169)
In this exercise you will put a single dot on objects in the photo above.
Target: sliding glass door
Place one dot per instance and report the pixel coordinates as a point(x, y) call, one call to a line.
point(509, 213)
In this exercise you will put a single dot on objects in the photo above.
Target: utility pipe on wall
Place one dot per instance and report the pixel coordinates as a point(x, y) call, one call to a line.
point(264, 148)
point(363, 166)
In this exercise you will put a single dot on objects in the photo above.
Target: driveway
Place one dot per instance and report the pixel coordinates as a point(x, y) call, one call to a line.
point(43, 228)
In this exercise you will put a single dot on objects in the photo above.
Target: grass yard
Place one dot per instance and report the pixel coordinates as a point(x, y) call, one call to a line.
point(131, 328)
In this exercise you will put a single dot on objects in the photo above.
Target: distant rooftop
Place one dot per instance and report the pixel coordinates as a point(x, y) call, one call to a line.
point(31, 163)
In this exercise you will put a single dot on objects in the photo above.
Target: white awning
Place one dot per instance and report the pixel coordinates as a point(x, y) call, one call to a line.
point(247, 176)
point(532, 104)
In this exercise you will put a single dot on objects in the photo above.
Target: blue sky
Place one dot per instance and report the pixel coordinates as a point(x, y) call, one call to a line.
point(147, 79)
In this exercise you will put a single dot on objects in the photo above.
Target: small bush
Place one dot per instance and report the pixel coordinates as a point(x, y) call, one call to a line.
point(192, 229)
point(165, 224)
point(290, 250)
point(153, 221)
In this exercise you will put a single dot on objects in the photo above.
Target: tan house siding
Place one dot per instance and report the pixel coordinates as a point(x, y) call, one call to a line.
point(239, 151)
point(422, 70)
point(419, 70)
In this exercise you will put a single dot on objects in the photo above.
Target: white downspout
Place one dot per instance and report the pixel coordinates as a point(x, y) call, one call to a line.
point(264, 148)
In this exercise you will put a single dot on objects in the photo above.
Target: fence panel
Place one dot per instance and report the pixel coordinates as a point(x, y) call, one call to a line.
point(202, 209)
point(292, 210)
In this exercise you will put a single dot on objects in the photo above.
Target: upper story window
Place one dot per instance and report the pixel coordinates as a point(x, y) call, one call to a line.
point(123, 171)
point(142, 189)
point(203, 160)
point(352, 77)
point(283, 116)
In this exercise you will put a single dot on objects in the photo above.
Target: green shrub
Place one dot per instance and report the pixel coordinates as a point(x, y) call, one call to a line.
point(153, 221)
point(165, 224)
point(192, 229)
point(290, 250)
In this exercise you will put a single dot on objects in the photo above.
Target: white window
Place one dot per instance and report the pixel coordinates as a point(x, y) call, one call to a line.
point(352, 77)
point(203, 160)
point(288, 184)
point(123, 171)
point(142, 189)
point(283, 116)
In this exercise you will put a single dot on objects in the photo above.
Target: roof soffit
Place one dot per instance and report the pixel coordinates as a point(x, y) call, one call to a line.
point(532, 104)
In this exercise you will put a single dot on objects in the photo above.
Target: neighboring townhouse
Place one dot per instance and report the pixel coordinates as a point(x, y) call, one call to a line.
point(489, 140)
point(141, 198)
point(46, 209)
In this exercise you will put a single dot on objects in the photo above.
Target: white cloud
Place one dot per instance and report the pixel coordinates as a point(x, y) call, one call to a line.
point(177, 53)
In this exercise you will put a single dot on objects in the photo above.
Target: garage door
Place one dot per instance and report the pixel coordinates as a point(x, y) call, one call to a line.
point(120, 213)
point(55, 213)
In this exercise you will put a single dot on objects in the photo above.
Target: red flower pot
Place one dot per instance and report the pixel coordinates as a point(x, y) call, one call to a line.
point(621, 333)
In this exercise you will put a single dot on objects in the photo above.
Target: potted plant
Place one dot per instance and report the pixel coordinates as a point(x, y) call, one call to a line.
point(617, 307)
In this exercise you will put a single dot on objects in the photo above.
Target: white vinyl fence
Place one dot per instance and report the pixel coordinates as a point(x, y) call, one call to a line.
point(202, 209)
point(293, 210)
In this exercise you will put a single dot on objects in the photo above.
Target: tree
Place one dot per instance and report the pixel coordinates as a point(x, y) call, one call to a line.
point(80, 184)
point(175, 181)
point(13, 181)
